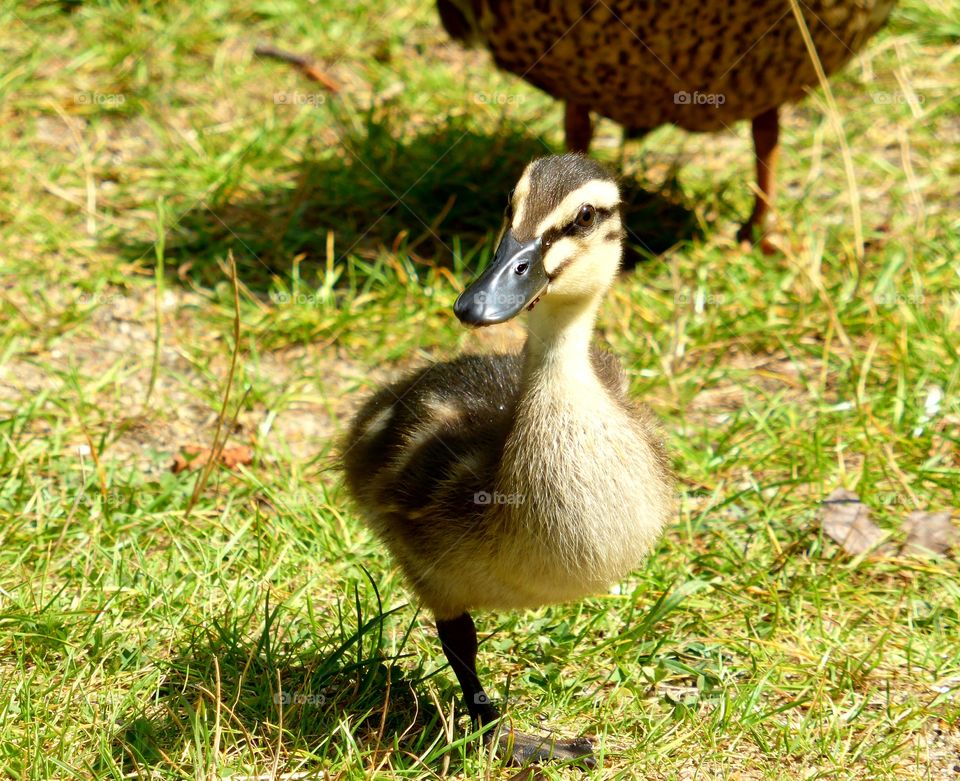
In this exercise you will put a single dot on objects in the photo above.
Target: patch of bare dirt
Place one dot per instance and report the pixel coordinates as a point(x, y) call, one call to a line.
point(306, 390)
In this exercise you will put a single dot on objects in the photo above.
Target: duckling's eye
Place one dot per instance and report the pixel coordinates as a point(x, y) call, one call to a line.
point(521, 269)
point(586, 216)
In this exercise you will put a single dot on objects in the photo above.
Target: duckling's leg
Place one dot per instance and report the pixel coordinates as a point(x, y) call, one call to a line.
point(766, 134)
point(458, 636)
point(577, 127)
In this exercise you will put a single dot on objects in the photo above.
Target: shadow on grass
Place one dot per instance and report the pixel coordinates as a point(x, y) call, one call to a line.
point(309, 696)
point(429, 194)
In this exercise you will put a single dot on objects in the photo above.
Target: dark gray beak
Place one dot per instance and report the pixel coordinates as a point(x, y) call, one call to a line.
point(514, 279)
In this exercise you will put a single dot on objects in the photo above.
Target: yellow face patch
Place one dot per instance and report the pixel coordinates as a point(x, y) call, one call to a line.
point(520, 194)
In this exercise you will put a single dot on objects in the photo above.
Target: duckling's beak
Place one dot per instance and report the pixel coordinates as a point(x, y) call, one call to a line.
point(514, 279)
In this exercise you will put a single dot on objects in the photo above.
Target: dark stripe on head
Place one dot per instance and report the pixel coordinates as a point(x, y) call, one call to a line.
point(572, 229)
point(551, 179)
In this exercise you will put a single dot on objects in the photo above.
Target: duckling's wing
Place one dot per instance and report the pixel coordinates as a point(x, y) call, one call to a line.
point(434, 438)
point(610, 371)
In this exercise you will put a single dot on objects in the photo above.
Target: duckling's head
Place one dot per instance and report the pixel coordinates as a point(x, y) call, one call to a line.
point(562, 244)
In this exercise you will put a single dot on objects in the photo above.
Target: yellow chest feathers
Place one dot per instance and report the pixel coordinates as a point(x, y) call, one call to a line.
point(587, 485)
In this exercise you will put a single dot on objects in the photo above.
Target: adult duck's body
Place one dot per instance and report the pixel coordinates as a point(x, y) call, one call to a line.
point(513, 481)
point(699, 64)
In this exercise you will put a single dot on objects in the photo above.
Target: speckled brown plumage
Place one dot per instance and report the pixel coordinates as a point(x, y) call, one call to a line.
point(699, 64)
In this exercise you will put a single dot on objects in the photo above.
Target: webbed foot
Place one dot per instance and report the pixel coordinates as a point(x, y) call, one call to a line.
point(752, 235)
point(522, 749)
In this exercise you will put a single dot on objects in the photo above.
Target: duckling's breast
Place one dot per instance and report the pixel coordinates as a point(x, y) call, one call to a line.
point(597, 492)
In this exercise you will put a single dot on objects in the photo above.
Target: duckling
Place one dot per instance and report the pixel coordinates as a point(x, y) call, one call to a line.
point(698, 64)
point(506, 482)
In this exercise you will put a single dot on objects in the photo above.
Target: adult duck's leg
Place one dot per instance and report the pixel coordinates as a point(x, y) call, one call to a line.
point(458, 636)
point(766, 135)
point(577, 127)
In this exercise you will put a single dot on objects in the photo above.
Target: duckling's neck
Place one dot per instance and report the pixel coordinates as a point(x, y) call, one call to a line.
point(592, 485)
point(559, 334)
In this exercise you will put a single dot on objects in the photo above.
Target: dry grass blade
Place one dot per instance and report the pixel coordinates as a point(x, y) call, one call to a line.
point(218, 441)
point(835, 122)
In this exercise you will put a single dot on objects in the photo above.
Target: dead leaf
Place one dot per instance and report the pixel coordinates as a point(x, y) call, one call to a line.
point(928, 533)
point(195, 456)
point(846, 521)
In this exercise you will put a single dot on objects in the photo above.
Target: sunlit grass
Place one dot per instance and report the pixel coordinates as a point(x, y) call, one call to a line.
point(267, 632)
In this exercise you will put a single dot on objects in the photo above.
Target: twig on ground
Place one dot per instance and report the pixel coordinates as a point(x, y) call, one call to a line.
point(307, 66)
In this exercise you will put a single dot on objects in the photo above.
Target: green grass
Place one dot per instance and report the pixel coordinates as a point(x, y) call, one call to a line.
point(139, 640)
